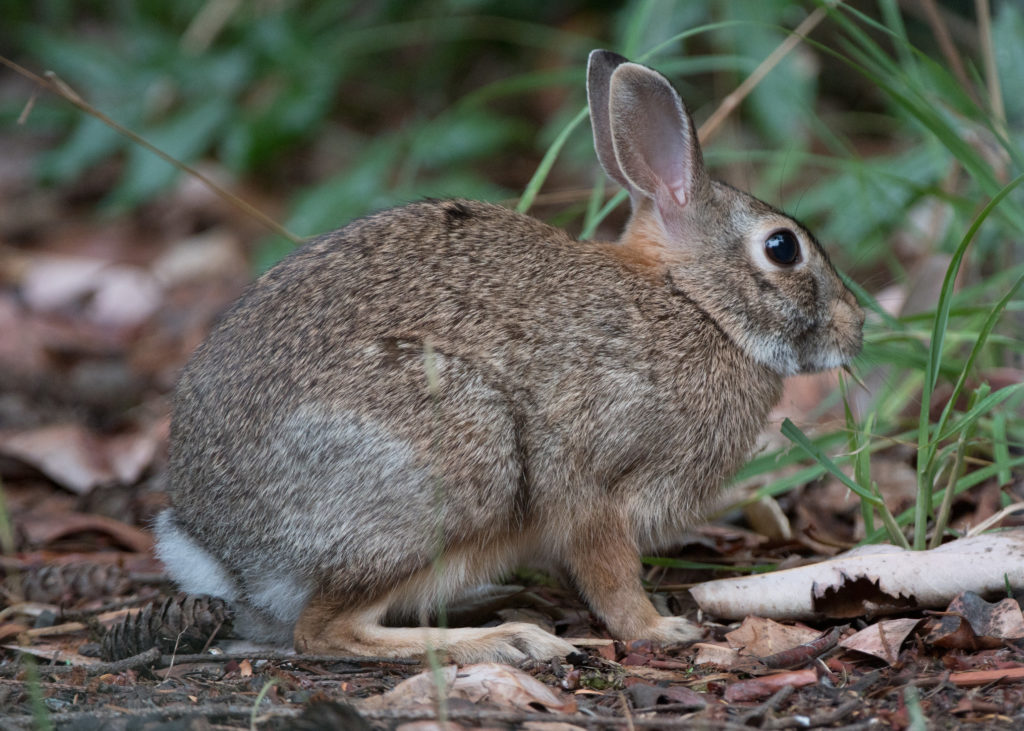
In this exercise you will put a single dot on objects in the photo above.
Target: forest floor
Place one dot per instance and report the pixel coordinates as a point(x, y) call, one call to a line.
point(97, 318)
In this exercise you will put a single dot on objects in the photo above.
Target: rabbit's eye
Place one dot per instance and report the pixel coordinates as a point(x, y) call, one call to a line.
point(782, 248)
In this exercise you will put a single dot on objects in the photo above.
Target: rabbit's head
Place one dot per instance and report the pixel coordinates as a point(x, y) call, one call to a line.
point(754, 271)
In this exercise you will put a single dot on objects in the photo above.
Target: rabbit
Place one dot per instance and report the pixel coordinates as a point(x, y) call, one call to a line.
point(420, 401)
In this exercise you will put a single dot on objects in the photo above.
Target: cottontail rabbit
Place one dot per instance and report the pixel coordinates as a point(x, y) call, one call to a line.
point(425, 398)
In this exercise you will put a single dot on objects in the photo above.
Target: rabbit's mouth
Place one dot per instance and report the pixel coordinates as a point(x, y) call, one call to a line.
point(843, 339)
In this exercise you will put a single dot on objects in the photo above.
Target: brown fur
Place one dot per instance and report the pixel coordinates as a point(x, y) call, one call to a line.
point(427, 397)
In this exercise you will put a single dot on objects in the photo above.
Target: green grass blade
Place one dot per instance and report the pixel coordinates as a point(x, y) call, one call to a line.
point(983, 407)
point(983, 336)
point(926, 447)
point(547, 162)
point(611, 205)
point(1000, 449)
point(792, 432)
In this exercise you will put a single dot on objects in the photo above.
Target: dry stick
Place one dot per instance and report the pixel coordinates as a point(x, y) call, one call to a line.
point(995, 91)
point(994, 519)
point(733, 100)
point(207, 24)
point(778, 698)
point(143, 660)
point(53, 84)
point(801, 654)
point(946, 45)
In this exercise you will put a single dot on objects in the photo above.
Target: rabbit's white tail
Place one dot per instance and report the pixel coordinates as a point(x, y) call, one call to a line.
point(191, 566)
point(267, 617)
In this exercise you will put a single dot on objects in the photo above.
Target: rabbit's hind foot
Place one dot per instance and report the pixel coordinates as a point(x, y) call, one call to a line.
point(327, 628)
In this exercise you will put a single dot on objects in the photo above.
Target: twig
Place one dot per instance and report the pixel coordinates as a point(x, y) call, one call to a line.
point(945, 41)
point(994, 519)
point(711, 125)
point(52, 83)
point(668, 708)
point(995, 91)
point(778, 698)
point(803, 653)
point(825, 718)
point(136, 662)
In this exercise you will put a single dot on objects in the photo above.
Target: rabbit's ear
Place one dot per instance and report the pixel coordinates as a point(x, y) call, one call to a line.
point(654, 139)
point(600, 67)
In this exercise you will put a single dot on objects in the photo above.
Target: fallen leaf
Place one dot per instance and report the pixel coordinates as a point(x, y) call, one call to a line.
point(761, 637)
point(646, 695)
point(1002, 620)
point(507, 687)
point(766, 517)
point(971, 623)
point(210, 255)
point(714, 654)
point(882, 639)
point(43, 530)
point(109, 294)
point(873, 580)
point(79, 460)
point(951, 632)
point(757, 688)
point(499, 685)
point(54, 654)
point(66, 453)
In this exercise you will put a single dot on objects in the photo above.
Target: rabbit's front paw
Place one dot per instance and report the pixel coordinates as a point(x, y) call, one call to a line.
point(674, 631)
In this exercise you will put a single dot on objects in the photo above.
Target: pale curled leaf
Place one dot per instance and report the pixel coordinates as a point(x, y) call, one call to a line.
point(491, 683)
point(761, 637)
point(873, 580)
point(882, 639)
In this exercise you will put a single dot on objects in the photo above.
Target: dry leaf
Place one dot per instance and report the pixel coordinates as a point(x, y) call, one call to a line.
point(767, 518)
point(873, 580)
point(77, 459)
point(761, 637)
point(507, 687)
point(43, 530)
point(709, 653)
point(110, 294)
point(1002, 620)
point(66, 453)
point(882, 639)
point(499, 685)
point(970, 623)
point(54, 653)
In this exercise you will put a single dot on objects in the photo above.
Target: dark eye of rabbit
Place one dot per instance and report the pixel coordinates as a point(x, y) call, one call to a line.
point(783, 248)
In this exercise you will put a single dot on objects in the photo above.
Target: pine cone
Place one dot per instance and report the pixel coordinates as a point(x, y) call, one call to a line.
point(73, 583)
point(183, 624)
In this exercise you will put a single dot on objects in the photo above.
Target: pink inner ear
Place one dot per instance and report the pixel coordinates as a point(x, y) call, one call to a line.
point(679, 194)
